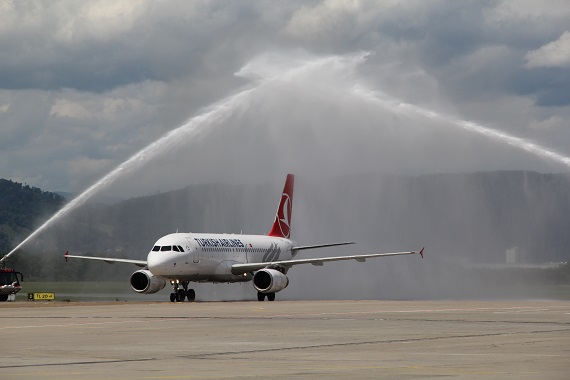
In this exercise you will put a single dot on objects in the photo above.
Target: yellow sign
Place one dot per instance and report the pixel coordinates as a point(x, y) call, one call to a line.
point(41, 296)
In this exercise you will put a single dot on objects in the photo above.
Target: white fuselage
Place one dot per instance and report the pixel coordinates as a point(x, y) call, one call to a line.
point(209, 257)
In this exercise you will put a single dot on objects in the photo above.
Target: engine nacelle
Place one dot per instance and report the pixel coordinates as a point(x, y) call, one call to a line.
point(269, 281)
point(143, 281)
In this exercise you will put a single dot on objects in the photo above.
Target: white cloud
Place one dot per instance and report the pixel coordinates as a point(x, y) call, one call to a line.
point(550, 123)
point(531, 11)
point(553, 54)
point(331, 17)
point(67, 108)
point(108, 106)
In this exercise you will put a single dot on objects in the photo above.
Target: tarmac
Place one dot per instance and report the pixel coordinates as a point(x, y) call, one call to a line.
point(285, 339)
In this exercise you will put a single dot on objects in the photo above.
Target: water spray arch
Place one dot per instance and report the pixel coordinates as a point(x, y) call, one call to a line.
point(283, 74)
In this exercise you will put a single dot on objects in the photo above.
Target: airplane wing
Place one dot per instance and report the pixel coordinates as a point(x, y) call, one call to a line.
point(303, 247)
point(238, 269)
point(140, 263)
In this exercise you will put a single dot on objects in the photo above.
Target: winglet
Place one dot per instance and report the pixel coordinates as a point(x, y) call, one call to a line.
point(422, 252)
point(65, 256)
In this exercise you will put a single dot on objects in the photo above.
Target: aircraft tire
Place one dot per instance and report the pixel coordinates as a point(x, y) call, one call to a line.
point(191, 294)
point(3, 297)
point(180, 295)
point(271, 296)
point(172, 297)
point(260, 296)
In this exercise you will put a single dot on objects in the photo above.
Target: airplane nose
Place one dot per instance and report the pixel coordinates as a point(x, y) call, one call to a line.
point(158, 263)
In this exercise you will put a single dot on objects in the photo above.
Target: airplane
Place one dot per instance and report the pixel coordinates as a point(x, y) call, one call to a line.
point(181, 258)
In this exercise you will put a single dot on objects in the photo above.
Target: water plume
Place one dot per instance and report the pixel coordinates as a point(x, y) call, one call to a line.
point(192, 129)
point(408, 109)
point(264, 70)
point(275, 71)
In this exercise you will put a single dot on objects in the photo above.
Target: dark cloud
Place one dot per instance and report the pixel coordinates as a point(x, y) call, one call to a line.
point(549, 86)
point(86, 85)
point(155, 43)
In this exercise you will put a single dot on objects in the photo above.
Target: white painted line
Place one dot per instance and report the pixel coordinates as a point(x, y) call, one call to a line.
point(69, 325)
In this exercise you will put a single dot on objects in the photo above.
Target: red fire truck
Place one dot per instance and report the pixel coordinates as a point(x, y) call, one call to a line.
point(9, 283)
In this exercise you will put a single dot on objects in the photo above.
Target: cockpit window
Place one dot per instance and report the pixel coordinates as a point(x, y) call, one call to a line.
point(166, 248)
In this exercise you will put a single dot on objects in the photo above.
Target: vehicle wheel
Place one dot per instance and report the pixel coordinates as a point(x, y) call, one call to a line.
point(3, 297)
point(271, 296)
point(180, 295)
point(260, 296)
point(172, 297)
point(191, 295)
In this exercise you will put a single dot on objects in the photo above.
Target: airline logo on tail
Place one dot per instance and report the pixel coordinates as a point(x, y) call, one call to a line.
point(282, 224)
point(272, 254)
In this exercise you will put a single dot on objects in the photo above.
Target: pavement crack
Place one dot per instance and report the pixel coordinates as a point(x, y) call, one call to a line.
point(212, 355)
point(76, 363)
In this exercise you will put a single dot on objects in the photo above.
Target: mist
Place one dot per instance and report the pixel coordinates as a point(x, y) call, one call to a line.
point(303, 115)
point(360, 171)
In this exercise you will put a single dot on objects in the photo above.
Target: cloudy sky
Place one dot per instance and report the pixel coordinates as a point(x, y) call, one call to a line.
point(268, 87)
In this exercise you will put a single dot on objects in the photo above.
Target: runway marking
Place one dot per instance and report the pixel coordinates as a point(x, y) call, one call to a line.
point(489, 354)
point(70, 324)
point(504, 310)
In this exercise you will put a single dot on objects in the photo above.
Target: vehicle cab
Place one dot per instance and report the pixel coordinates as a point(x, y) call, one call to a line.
point(9, 283)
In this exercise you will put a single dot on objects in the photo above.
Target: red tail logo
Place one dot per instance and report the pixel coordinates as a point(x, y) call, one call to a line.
point(282, 224)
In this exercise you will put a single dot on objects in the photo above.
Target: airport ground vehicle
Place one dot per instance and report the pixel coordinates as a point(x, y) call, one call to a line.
point(9, 283)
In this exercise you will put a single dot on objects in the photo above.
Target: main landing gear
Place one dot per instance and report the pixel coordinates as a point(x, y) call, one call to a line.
point(261, 296)
point(178, 295)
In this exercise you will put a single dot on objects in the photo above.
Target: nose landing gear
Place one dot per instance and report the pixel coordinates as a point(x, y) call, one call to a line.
point(178, 295)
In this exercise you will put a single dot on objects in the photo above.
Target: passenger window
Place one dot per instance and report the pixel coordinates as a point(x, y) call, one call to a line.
point(166, 248)
point(156, 248)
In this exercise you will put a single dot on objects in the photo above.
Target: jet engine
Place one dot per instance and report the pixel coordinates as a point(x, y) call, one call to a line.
point(269, 281)
point(143, 281)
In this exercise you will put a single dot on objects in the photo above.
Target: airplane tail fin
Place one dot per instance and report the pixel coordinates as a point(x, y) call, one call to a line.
point(282, 224)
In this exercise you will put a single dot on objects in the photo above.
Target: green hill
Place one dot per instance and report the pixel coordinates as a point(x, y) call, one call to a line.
point(21, 208)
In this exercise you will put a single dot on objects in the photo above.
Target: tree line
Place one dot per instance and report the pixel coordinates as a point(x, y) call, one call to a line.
point(21, 208)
